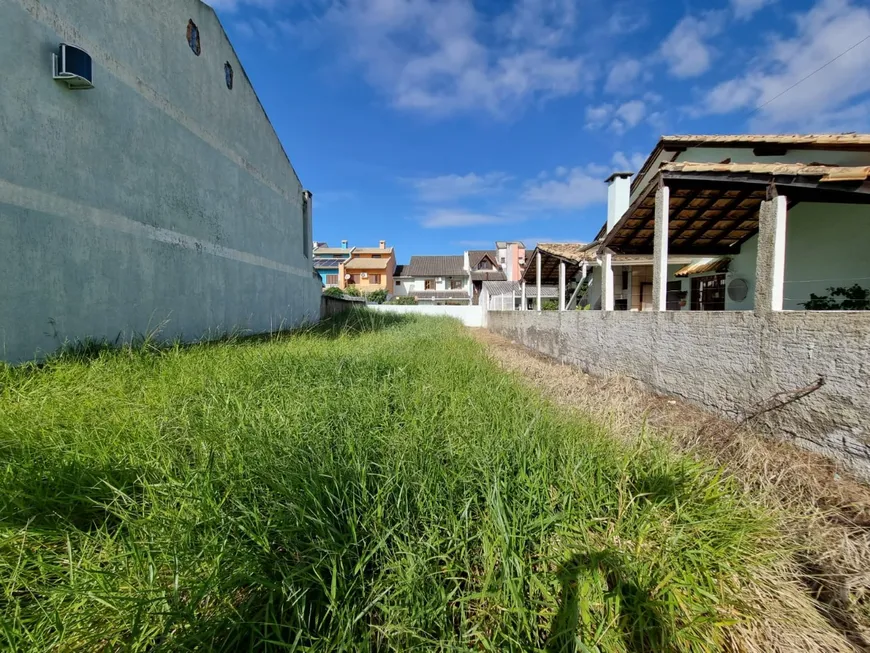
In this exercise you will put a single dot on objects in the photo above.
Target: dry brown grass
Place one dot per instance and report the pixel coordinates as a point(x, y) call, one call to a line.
point(820, 601)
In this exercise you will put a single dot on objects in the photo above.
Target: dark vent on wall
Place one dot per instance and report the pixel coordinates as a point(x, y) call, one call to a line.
point(193, 38)
point(228, 73)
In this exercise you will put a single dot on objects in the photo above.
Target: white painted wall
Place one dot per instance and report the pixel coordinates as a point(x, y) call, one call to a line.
point(471, 316)
point(418, 284)
point(825, 246)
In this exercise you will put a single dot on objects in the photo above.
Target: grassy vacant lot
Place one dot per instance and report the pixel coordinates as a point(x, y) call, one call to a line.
point(380, 485)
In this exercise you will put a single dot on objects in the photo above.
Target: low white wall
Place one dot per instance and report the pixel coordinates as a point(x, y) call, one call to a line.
point(471, 316)
point(727, 361)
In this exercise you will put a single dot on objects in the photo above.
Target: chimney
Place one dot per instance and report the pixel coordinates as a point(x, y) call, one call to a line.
point(382, 244)
point(344, 244)
point(618, 194)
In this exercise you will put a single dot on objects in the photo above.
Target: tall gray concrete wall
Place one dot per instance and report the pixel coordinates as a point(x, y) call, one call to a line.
point(158, 197)
point(728, 362)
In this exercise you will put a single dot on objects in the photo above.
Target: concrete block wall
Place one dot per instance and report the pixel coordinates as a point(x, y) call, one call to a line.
point(727, 362)
point(330, 306)
point(160, 198)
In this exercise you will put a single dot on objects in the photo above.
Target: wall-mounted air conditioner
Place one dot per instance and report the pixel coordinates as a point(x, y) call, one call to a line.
point(73, 66)
point(364, 275)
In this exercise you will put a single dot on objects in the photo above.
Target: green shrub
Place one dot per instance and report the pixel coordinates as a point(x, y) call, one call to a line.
point(352, 291)
point(854, 298)
point(550, 305)
point(405, 300)
point(334, 292)
point(377, 296)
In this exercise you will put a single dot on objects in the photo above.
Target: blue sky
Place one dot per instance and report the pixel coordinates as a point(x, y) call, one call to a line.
point(443, 125)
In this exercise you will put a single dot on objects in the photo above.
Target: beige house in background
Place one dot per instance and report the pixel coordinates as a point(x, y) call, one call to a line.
point(369, 269)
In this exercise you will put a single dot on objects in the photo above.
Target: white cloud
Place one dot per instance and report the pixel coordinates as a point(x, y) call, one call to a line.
point(626, 18)
point(451, 187)
point(826, 100)
point(582, 187)
point(598, 116)
point(744, 9)
point(543, 23)
point(427, 55)
point(441, 218)
point(686, 50)
point(618, 119)
point(628, 115)
point(623, 162)
point(622, 76)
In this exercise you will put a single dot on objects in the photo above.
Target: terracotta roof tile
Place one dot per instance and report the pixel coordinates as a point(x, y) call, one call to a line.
point(435, 266)
point(824, 172)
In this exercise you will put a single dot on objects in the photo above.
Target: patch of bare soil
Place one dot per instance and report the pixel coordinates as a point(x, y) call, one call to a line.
point(820, 600)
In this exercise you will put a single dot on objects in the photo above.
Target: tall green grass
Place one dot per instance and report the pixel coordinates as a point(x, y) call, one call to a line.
point(376, 485)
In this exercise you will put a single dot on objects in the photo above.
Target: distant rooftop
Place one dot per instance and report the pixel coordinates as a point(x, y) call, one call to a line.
point(435, 266)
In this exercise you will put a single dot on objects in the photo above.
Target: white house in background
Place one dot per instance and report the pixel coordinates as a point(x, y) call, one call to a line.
point(434, 279)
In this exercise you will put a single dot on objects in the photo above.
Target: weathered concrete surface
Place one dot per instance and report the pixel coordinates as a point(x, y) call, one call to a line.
point(158, 197)
point(330, 306)
point(727, 361)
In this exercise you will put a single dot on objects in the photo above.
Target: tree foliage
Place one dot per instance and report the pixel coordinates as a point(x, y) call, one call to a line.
point(853, 298)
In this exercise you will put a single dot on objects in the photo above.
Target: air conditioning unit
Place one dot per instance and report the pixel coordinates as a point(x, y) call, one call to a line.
point(364, 275)
point(73, 66)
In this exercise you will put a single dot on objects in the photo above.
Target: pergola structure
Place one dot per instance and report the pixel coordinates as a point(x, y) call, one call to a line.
point(704, 209)
point(552, 263)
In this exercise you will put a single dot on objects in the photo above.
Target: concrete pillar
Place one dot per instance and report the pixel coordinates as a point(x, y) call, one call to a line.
point(770, 261)
point(538, 278)
point(607, 282)
point(561, 285)
point(660, 249)
point(524, 305)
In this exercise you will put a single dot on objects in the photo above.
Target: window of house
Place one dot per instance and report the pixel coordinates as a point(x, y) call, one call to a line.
point(398, 283)
point(708, 293)
point(374, 278)
point(354, 279)
point(626, 279)
point(484, 265)
point(456, 284)
point(228, 75)
point(193, 38)
point(332, 279)
point(429, 284)
point(376, 256)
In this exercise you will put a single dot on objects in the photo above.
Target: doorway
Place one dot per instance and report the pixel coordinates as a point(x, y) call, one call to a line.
point(646, 300)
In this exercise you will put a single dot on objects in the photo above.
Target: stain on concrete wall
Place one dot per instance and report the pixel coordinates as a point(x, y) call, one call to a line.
point(156, 198)
point(728, 362)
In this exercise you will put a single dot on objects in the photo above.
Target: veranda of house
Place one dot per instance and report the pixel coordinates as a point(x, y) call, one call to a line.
point(712, 219)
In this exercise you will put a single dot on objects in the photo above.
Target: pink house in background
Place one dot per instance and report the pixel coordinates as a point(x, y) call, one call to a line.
point(511, 258)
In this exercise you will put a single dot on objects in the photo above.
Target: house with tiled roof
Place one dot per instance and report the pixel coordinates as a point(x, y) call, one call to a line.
point(482, 265)
point(434, 279)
